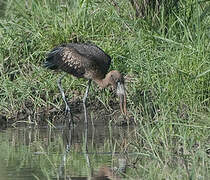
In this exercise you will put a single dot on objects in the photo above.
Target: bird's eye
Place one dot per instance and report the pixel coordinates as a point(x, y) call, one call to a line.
point(119, 80)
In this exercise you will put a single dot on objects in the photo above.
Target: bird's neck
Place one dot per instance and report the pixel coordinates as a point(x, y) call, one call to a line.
point(103, 82)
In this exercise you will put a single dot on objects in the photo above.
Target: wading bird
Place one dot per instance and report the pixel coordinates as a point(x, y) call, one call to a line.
point(84, 60)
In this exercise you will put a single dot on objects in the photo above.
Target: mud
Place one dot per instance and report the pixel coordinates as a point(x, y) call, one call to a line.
point(3, 122)
point(97, 112)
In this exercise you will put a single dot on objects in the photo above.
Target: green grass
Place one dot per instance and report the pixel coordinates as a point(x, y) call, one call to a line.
point(166, 57)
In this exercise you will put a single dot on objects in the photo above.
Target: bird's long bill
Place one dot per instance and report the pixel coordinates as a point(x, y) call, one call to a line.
point(122, 97)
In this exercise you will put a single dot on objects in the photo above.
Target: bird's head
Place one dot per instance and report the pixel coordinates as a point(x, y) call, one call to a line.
point(117, 81)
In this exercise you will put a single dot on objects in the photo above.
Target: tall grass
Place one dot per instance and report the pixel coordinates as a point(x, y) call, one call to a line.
point(165, 58)
point(172, 64)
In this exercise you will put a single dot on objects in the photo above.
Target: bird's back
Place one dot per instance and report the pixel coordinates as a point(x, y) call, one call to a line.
point(79, 59)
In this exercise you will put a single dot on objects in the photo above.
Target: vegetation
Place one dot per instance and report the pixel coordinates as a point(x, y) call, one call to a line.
point(163, 50)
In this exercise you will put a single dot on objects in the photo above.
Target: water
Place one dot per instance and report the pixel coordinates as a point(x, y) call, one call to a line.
point(41, 153)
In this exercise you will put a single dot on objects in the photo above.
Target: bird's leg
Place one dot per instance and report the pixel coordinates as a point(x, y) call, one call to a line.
point(84, 100)
point(67, 109)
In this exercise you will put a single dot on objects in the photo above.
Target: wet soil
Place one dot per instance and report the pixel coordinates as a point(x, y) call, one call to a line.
point(3, 122)
point(43, 116)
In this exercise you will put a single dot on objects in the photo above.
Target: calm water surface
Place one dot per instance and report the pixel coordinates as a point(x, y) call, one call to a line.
point(29, 153)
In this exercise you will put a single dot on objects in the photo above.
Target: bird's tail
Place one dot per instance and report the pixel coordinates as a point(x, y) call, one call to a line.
point(50, 62)
point(49, 65)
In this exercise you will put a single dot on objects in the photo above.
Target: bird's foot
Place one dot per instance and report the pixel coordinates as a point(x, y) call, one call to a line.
point(67, 110)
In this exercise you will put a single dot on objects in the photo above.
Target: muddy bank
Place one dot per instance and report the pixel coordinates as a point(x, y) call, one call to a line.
point(51, 114)
point(3, 121)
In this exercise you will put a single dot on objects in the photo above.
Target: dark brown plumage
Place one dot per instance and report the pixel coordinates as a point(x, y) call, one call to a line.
point(84, 60)
point(81, 60)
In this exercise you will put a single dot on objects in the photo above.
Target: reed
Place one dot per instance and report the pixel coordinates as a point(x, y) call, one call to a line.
point(164, 55)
